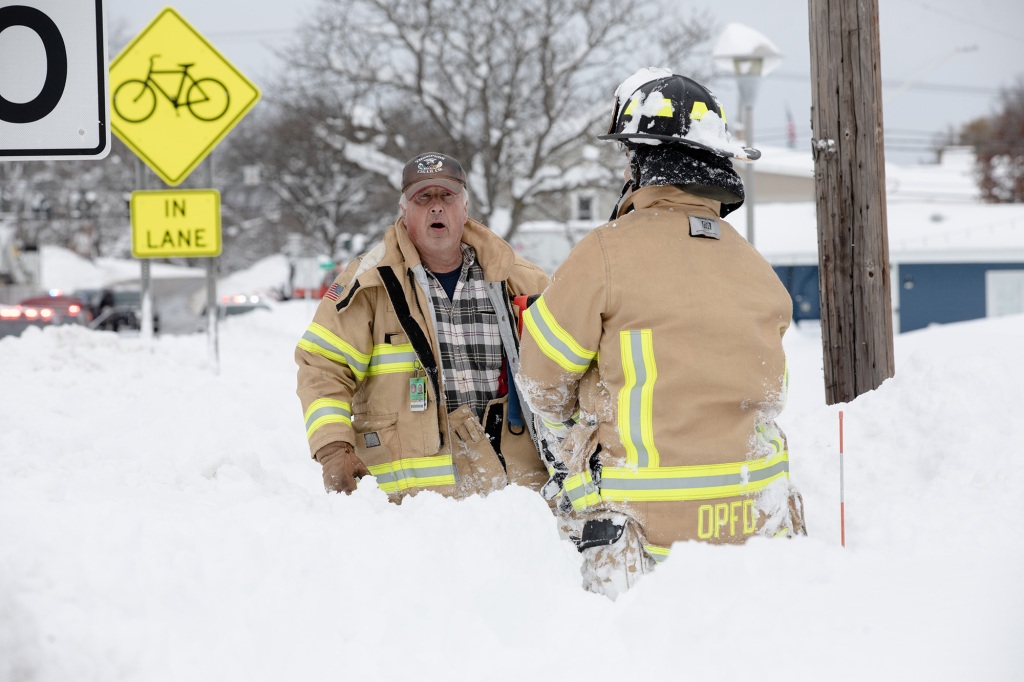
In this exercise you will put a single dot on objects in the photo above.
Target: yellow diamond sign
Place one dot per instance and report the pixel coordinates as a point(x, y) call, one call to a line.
point(174, 96)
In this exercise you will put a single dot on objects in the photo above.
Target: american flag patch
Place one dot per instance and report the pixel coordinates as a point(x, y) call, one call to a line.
point(333, 292)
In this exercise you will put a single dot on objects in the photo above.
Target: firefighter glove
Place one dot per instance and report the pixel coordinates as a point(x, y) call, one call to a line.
point(342, 469)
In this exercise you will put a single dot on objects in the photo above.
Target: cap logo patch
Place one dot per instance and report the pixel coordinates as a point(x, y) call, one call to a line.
point(430, 164)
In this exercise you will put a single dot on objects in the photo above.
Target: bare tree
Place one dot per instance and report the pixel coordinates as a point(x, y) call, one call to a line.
point(81, 205)
point(313, 190)
point(999, 144)
point(506, 86)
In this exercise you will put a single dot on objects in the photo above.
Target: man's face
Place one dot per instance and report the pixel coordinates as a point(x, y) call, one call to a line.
point(435, 218)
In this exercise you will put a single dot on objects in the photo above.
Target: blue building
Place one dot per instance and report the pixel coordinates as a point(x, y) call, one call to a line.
point(948, 262)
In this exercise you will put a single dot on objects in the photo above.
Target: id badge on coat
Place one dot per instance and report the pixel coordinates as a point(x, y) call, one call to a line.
point(418, 394)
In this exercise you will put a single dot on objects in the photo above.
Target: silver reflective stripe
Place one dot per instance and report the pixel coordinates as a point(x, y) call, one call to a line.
point(326, 410)
point(357, 366)
point(556, 343)
point(392, 358)
point(582, 491)
point(608, 483)
point(636, 398)
point(422, 472)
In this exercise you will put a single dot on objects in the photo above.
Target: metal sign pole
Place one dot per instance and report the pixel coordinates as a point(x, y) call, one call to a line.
point(211, 291)
point(748, 127)
point(146, 326)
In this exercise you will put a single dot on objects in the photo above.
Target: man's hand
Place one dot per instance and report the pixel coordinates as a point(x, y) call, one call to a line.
point(342, 469)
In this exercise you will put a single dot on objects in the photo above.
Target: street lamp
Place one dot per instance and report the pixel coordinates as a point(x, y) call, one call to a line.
point(751, 56)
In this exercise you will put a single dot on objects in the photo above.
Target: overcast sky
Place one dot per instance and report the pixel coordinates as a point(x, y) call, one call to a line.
point(943, 61)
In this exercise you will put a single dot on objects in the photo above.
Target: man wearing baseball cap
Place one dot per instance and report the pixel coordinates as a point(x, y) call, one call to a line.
point(407, 371)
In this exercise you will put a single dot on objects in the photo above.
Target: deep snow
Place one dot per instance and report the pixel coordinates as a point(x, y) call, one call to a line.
point(163, 521)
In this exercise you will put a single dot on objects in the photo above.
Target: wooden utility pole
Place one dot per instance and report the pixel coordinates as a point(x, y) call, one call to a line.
point(849, 169)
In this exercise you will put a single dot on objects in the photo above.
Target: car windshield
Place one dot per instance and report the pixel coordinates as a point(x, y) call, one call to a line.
point(127, 297)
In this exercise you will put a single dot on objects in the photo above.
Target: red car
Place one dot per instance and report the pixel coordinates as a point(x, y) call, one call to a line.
point(42, 311)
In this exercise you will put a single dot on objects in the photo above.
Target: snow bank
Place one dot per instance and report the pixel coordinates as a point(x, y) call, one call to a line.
point(161, 521)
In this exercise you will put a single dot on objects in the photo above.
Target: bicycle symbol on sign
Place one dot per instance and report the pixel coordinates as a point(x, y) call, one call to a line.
point(205, 98)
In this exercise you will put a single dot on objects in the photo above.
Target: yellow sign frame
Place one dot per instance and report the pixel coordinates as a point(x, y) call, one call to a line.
point(173, 96)
point(182, 223)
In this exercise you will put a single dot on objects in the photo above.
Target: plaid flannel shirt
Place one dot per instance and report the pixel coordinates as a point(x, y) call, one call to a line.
point(469, 338)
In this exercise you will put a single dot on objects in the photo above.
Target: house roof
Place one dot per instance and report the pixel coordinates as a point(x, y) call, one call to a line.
point(951, 179)
point(919, 232)
point(934, 215)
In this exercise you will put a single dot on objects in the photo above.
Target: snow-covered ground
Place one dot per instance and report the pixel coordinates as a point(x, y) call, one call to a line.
point(160, 520)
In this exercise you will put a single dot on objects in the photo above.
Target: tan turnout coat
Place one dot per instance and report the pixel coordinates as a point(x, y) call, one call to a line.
point(357, 357)
point(669, 345)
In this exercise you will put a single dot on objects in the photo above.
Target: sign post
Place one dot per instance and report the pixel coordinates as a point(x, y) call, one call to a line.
point(54, 95)
point(173, 99)
point(179, 224)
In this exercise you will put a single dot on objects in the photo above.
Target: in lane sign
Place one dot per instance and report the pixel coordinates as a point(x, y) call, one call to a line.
point(174, 96)
point(183, 223)
point(54, 101)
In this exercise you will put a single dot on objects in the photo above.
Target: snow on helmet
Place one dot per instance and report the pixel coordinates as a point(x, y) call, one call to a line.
point(655, 106)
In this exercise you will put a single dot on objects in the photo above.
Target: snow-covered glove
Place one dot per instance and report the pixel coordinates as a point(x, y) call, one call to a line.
point(342, 469)
point(614, 558)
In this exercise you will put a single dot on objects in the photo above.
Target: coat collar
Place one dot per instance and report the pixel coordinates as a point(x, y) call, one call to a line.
point(664, 195)
point(493, 253)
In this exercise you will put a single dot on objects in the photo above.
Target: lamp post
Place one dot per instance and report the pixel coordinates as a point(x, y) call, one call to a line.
point(750, 56)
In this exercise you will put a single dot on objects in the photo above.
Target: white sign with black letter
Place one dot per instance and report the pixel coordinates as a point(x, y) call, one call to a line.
point(54, 95)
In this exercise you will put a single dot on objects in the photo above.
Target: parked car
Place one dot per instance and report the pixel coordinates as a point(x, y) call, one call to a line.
point(238, 304)
point(93, 299)
point(41, 311)
point(69, 306)
point(117, 309)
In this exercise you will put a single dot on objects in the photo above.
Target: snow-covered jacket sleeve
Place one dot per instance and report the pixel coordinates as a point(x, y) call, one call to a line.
point(562, 333)
point(333, 357)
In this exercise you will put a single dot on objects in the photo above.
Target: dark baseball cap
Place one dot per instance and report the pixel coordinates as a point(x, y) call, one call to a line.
point(432, 169)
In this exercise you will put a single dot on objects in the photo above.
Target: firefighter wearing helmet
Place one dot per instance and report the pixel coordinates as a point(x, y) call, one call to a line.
point(653, 361)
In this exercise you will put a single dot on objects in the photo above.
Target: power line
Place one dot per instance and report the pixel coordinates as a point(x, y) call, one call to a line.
point(1016, 37)
point(935, 87)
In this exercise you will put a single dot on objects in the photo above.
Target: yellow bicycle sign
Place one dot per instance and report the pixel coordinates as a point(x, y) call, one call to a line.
point(206, 98)
point(174, 96)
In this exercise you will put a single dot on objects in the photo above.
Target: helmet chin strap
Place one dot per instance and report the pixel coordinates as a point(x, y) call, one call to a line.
point(627, 190)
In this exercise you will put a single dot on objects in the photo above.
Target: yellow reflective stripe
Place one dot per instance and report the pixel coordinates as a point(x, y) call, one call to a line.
point(414, 472)
point(695, 482)
point(776, 443)
point(698, 111)
point(657, 552)
point(554, 341)
point(561, 428)
point(664, 109)
point(327, 411)
point(392, 358)
point(321, 341)
point(581, 491)
point(721, 112)
point(636, 398)
point(631, 107)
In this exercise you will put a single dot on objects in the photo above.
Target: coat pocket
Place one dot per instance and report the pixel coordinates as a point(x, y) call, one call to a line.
point(377, 440)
